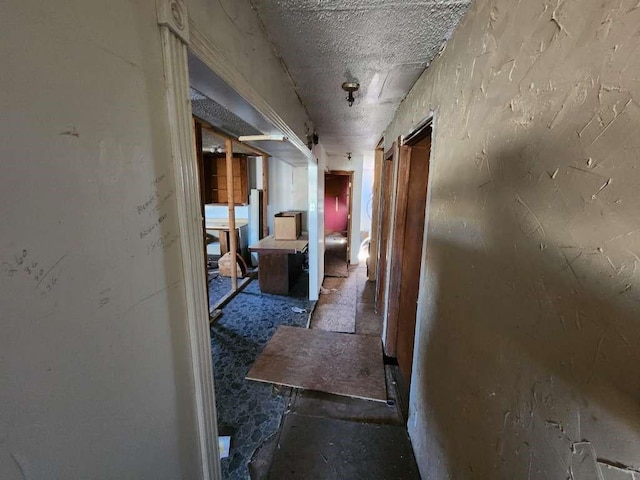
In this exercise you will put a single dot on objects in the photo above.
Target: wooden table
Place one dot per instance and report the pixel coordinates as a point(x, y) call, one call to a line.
point(279, 263)
point(222, 225)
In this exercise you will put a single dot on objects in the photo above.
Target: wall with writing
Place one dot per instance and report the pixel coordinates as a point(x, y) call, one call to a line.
point(95, 380)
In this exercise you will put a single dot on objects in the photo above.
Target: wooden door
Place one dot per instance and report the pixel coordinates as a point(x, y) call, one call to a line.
point(385, 229)
point(372, 260)
point(411, 200)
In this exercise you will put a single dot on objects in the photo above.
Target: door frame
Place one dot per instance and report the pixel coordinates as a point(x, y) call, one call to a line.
point(348, 173)
point(397, 236)
point(173, 21)
point(179, 37)
point(423, 293)
point(387, 188)
point(374, 242)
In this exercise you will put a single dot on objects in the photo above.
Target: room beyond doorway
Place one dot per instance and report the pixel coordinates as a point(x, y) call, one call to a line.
point(338, 200)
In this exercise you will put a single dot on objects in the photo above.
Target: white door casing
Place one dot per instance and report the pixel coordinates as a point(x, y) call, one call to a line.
point(174, 28)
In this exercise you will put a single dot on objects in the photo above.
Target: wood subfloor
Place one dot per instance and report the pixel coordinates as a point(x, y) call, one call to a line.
point(338, 363)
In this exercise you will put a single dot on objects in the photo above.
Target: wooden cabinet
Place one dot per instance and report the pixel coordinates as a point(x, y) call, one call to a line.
point(215, 177)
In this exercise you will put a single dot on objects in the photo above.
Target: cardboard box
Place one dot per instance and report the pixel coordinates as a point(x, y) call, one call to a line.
point(288, 225)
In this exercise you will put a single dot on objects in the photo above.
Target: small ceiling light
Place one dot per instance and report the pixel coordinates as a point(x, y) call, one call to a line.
point(350, 87)
point(312, 139)
point(348, 156)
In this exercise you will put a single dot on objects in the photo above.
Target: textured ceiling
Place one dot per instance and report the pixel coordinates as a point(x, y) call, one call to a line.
point(218, 116)
point(384, 45)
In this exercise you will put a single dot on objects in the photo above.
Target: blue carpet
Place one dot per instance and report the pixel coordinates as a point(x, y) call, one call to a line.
point(219, 286)
point(249, 411)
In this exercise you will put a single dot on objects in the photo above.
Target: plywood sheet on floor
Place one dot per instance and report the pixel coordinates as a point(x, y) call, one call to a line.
point(334, 318)
point(368, 322)
point(339, 407)
point(337, 363)
point(311, 447)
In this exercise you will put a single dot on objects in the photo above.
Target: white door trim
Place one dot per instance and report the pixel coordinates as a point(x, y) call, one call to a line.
point(174, 29)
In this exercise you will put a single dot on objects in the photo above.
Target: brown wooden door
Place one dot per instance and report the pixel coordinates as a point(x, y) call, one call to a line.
point(385, 228)
point(372, 260)
point(411, 199)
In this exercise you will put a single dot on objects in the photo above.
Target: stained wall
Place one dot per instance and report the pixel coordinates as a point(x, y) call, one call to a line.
point(526, 352)
point(95, 377)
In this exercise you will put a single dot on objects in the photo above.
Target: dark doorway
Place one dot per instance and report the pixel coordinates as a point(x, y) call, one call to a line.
point(337, 222)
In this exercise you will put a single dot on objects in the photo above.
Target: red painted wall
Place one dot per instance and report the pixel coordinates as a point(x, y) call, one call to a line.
point(336, 203)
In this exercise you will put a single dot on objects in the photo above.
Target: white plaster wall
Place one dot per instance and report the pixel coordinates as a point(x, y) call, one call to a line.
point(222, 211)
point(354, 165)
point(288, 190)
point(301, 194)
point(526, 349)
point(95, 380)
point(366, 199)
point(316, 222)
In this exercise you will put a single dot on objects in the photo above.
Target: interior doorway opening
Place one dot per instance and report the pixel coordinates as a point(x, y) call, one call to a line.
point(406, 251)
point(338, 201)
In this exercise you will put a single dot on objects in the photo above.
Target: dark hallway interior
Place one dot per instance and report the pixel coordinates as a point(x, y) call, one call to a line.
point(503, 270)
point(335, 437)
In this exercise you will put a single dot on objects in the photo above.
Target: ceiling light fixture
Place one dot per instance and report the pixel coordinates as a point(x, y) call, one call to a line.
point(350, 87)
point(348, 156)
point(312, 139)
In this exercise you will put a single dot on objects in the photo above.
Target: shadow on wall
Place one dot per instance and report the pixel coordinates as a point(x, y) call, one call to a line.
point(530, 366)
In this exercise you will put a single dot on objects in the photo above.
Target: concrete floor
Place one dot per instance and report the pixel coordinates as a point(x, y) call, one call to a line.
point(328, 437)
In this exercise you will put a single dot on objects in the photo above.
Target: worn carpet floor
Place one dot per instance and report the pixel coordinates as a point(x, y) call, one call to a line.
point(249, 411)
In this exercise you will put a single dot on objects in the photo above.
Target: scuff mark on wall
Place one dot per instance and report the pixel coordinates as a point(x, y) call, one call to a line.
point(72, 132)
point(583, 462)
point(21, 464)
point(538, 223)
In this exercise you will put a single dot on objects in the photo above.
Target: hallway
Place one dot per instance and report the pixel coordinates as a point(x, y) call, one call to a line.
point(332, 437)
point(509, 289)
point(358, 438)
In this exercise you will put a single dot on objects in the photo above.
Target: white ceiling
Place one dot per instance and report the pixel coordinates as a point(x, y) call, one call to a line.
point(384, 45)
